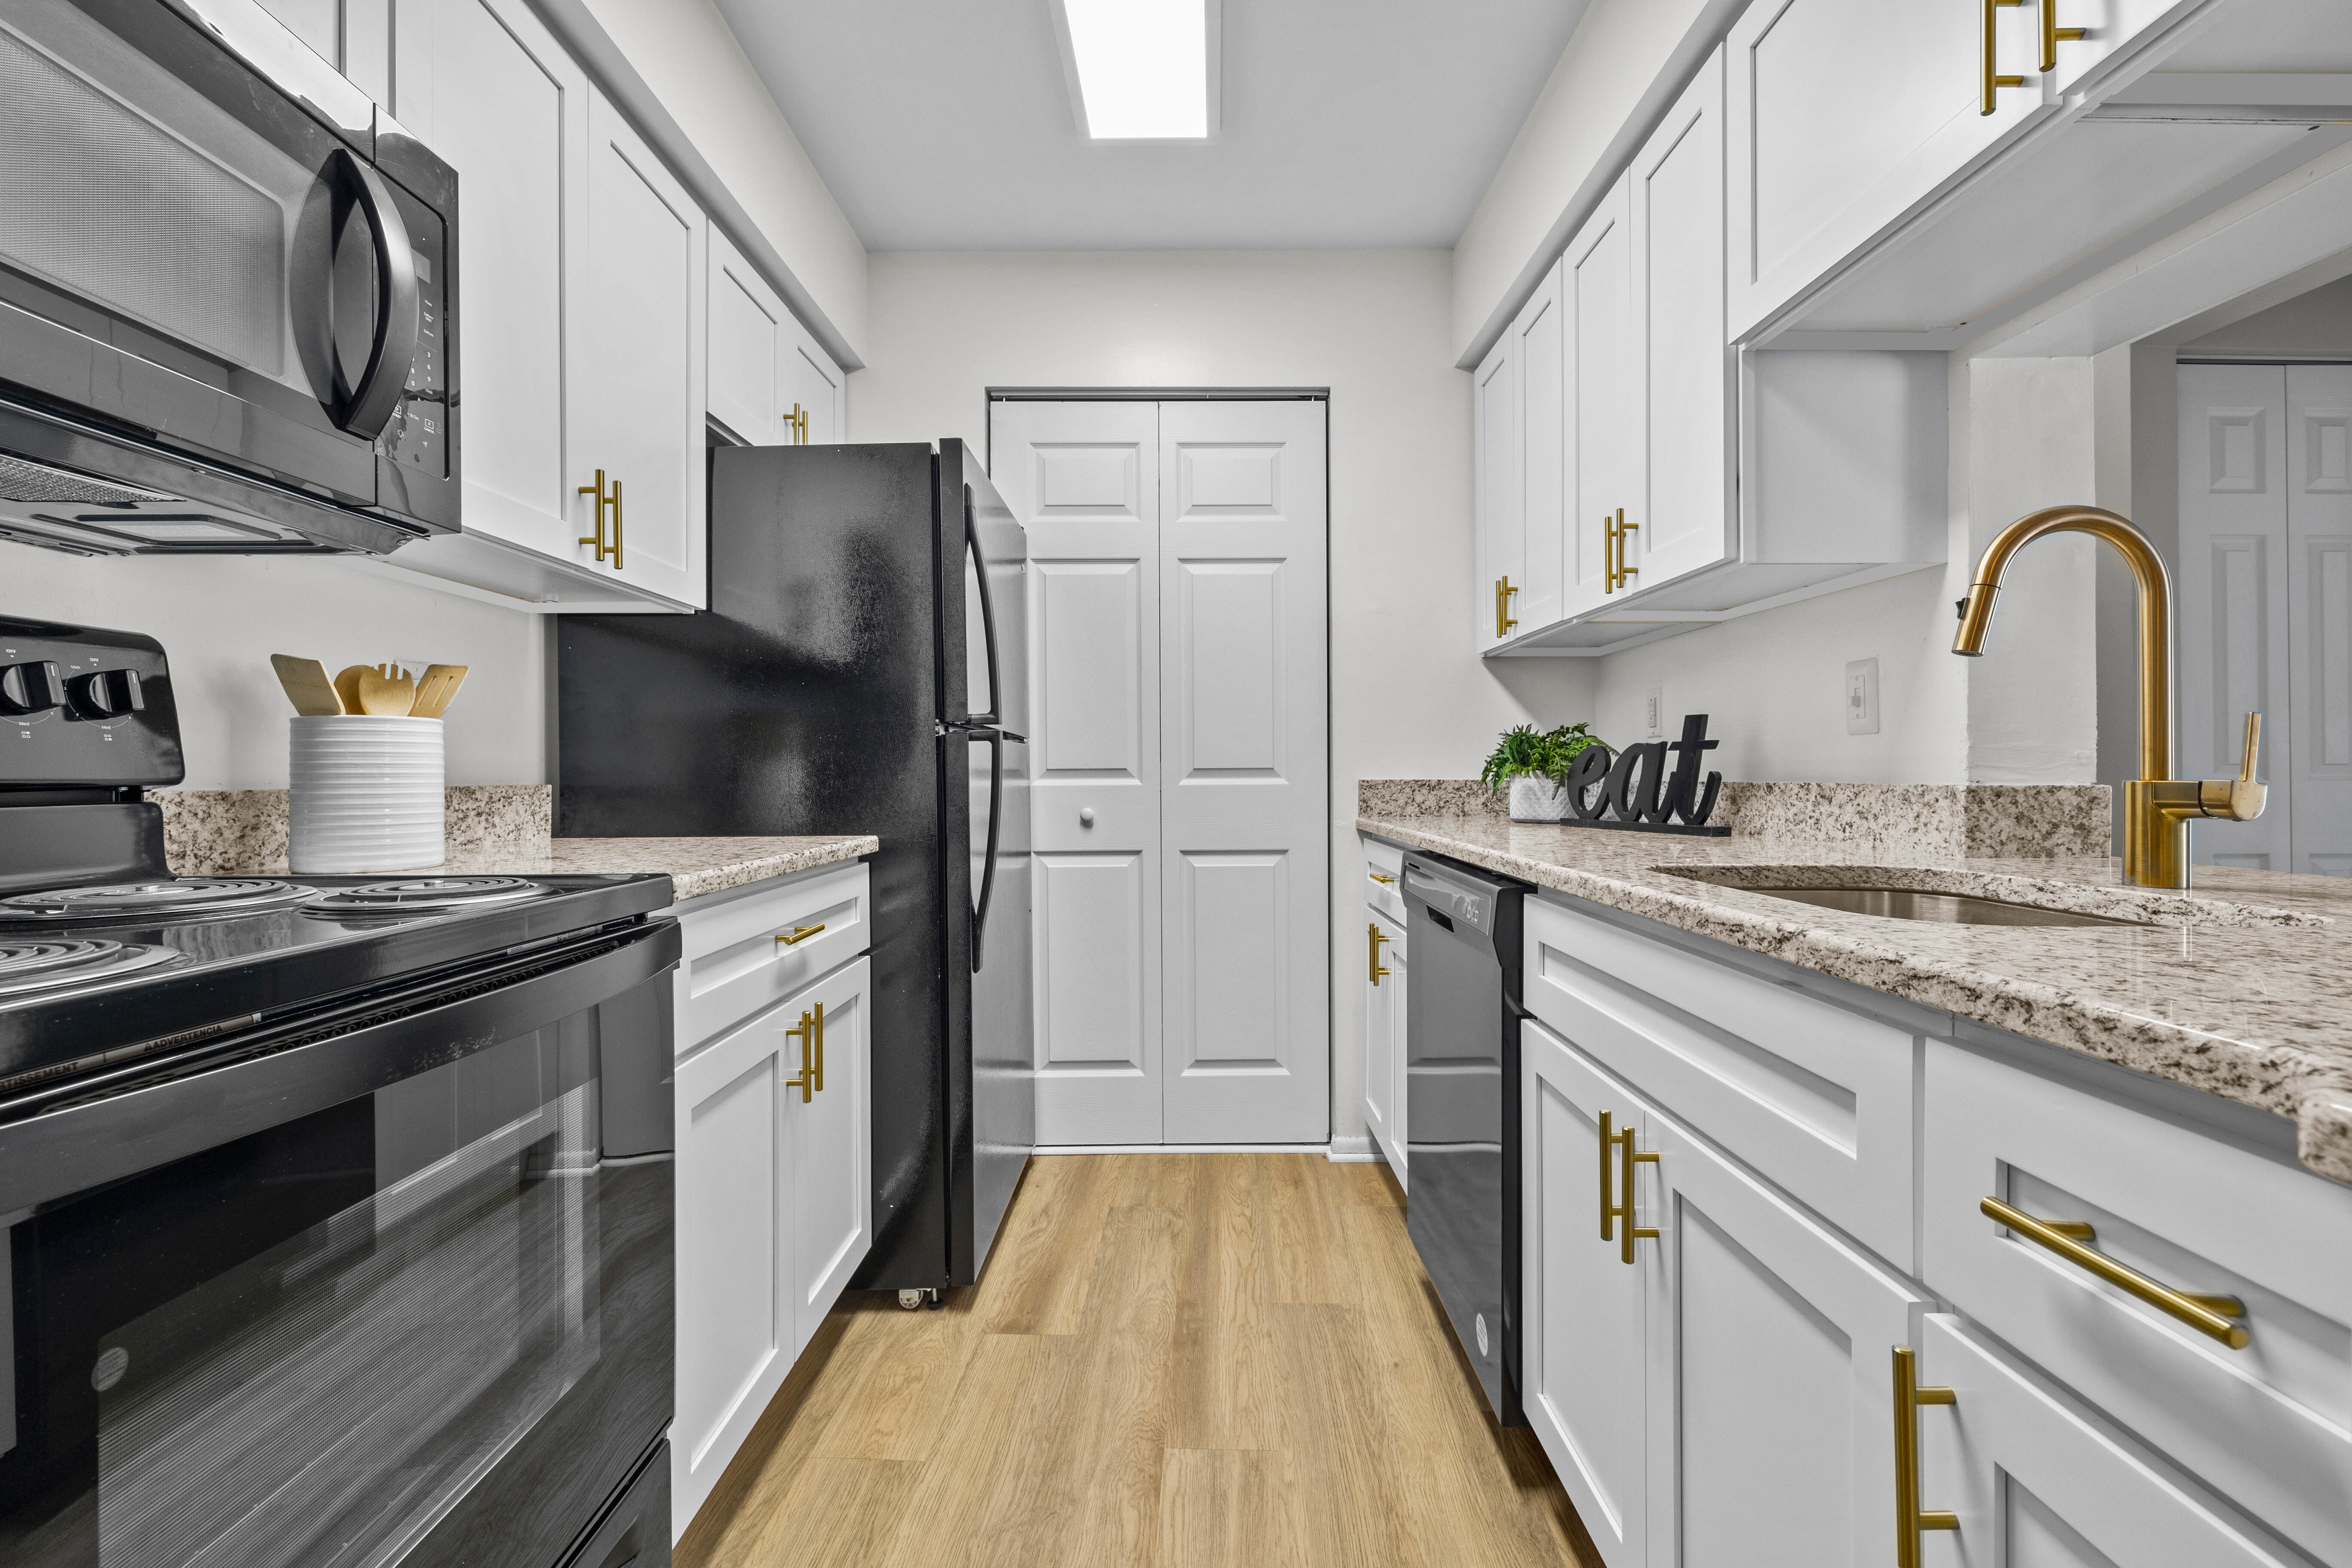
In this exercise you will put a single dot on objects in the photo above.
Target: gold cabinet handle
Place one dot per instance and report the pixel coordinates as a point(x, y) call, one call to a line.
point(1626, 1157)
point(799, 934)
point(1382, 876)
point(1624, 528)
point(819, 1085)
point(1503, 592)
point(1910, 1518)
point(1608, 553)
point(1377, 969)
point(1992, 82)
point(797, 423)
point(2052, 34)
point(805, 1031)
point(616, 525)
point(2209, 1315)
point(603, 501)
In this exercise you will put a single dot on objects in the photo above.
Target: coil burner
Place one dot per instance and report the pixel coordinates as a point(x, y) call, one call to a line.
point(427, 895)
point(182, 899)
point(53, 965)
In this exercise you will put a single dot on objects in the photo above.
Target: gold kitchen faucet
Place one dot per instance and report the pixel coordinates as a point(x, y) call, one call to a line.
point(2158, 808)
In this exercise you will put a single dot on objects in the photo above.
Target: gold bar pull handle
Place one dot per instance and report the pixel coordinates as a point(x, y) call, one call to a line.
point(1504, 621)
point(1629, 1157)
point(797, 423)
point(1382, 877)
point(805, 1079)
point(1992, 81)
point(1910, 1518)
point(819, 1085)
point(1607, 1204)
point(616, 525)
point(1378, 968)
point(2213, 1316)
point(1608, 553)
point(1624, 528)
point(2052, 34)
point(603, 501)
point(799, 934)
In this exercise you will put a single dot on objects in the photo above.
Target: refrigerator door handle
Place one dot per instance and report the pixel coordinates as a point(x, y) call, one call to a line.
point(987, 610)
point(995, 823)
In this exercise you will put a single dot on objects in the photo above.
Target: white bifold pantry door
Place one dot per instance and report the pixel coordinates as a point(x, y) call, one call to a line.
point(1179, 765)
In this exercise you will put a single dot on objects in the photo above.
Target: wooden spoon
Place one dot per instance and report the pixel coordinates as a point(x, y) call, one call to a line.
point(306, 686)
point(436, 688)
point(347, 687)
point(387, 692)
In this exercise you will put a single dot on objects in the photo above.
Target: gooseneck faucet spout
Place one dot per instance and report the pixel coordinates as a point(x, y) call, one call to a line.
point(2158, 808)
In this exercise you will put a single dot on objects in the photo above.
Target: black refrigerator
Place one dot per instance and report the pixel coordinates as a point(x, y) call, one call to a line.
point(863, 669)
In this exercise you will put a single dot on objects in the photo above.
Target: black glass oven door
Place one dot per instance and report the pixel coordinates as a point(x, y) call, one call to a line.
point(428, 1324)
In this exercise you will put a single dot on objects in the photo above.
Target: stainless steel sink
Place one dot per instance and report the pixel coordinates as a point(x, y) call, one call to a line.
point(1949, 909)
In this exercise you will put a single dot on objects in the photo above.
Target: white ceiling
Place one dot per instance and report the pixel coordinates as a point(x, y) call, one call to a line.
point(947, 124)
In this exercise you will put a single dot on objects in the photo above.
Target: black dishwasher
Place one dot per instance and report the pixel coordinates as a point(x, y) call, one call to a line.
point(1462, 1108)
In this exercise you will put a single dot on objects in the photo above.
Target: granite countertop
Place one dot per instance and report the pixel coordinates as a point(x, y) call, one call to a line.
point(2239, 988)
point(695, 866)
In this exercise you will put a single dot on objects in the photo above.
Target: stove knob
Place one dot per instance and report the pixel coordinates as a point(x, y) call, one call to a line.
point(30, 688)
point(105, 693)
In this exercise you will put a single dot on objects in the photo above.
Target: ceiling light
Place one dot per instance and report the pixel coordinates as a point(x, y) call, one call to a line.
point(1142, 70)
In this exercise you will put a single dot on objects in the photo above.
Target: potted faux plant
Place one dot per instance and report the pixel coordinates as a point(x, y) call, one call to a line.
point(1535, 763)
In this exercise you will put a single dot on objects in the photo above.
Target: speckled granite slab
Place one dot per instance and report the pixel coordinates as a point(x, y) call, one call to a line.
point(695, 866)
point(2255, 1007)
point(224, 832)
point(1880, 821)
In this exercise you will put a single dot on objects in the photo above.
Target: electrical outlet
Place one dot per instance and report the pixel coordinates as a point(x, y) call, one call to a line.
point(1861, 697)
point(1654, 709)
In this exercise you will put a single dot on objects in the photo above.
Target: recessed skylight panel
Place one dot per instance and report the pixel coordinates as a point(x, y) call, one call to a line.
point(1143, 66)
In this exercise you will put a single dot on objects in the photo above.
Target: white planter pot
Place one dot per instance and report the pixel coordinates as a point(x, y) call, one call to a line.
point(367, 794)
point(1537, 800)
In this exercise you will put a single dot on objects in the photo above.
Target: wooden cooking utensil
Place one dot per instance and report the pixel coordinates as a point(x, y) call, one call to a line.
point(347, 687)
point(387, 692)
point(306, 686)
point(436, 688)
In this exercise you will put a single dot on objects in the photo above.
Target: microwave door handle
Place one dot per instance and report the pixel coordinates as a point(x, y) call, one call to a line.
point(393, 352)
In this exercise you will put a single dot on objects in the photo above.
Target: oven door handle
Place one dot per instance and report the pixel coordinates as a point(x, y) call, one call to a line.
point(365, 409)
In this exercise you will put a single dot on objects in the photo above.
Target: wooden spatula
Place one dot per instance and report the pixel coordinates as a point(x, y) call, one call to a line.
point(306, 686)
point(436, 688)
point(387, 692)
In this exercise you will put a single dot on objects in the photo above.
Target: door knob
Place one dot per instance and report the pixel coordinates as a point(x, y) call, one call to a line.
point(1085, 817)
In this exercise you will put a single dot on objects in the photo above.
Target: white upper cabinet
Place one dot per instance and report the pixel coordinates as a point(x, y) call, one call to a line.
point(635, 384)
point(1846, 114)
point(1501, 540)
point(811, 389)
point(1600, 427)
point(747, 328)
point(1537, 355)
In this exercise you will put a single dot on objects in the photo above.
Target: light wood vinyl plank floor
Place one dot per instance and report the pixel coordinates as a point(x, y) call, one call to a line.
point(1174, 1361)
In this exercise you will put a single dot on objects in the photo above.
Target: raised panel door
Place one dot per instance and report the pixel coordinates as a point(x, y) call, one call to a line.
point(1497, 500)
point(2235, 612)
point(735, 1333)
point(2038, 1483)
point(1244, 851)
point(812, 387)
point(1681, 367)
point(1383, 1026)
point(1584, 1315)
point(1844, 116)
point(2318, 485)
point(1083, 478)
point(1538, 353)
point(488, 87)
point(1770, 1350)
point(746, 346)
point(1601, 416)
point(830, 1187)
point(636, 379)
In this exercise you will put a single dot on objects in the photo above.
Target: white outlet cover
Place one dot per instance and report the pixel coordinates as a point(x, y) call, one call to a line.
point(1861, 697)
point(1653, 710)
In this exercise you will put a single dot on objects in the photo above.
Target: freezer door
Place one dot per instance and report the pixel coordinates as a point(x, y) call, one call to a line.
point(987, 679)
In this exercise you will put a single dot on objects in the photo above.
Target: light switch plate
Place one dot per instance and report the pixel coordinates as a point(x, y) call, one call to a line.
point(1861, 697)
point(1653, 705)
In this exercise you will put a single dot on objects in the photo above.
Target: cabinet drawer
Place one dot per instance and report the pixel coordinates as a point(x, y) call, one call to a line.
point(1383, 879)
point(738, 956)
point(1816, 1098)
point(2266, 1424)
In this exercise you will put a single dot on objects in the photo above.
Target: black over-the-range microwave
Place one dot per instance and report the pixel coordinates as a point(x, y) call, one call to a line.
point(227, 291)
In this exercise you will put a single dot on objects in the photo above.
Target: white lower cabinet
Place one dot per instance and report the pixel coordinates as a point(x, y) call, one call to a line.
point(774, 1174)
point(1717, 1385)
point(1385, 990)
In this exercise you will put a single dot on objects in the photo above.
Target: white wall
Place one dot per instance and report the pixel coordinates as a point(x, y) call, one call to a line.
point(2313, 325)
point(220, 617)
point(1410, 697)
point(1620, 72)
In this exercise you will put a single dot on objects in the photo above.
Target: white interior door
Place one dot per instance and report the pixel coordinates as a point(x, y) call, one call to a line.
point(2235, 632)
point(2318, 753)
point(1242, 763)
point(1084, 479)
point(1178, 766)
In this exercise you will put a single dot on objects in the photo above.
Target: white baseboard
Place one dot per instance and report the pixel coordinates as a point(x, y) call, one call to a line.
point(1183, 1149)
point(1353, 1151)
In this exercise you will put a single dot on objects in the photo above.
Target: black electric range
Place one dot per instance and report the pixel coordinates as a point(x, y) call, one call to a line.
point(337, 1209)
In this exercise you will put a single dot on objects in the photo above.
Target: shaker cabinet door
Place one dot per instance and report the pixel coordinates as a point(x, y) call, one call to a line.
point(1601, 410)
point(1538, 346)
point(813, 389)
point(828, 1188)
point(1501, 540)
point(487, 88)
point(747, 327)
point(636, 379)
point(1384, 964)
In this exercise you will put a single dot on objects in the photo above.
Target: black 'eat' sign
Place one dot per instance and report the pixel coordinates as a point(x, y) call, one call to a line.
point(1633, 789)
